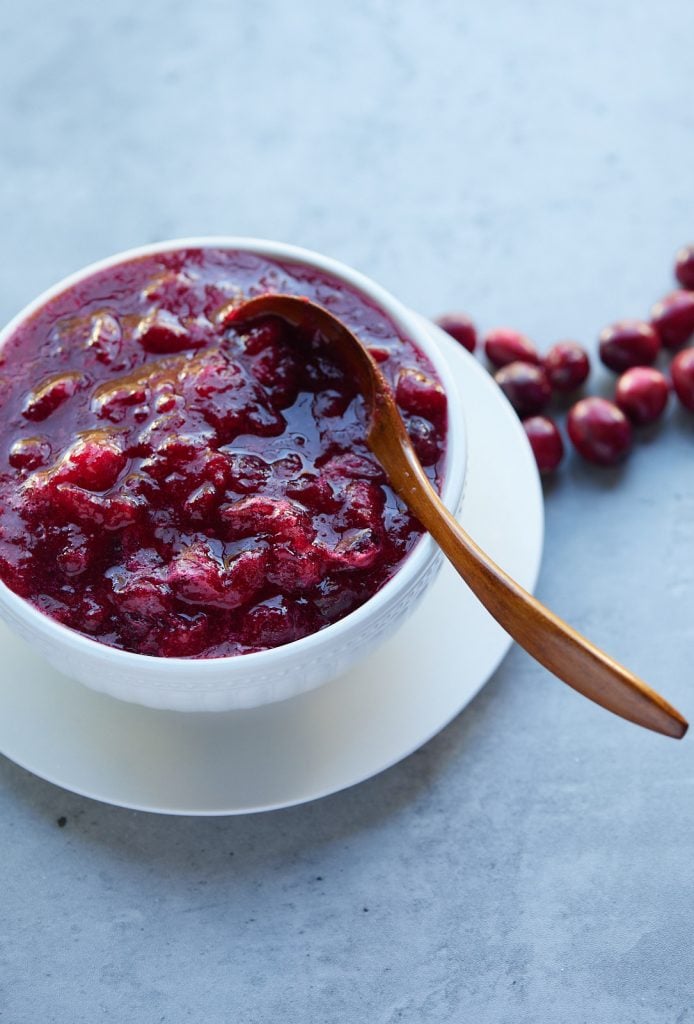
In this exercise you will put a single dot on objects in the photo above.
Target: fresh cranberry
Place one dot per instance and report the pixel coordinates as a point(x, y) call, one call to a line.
point(545, 441)
point(526, 386)
point(629, 343)
point(599, 431)
point(503, 345)
point(642, 394)
point(684, 267)
point(682, 370)
point(461, 328)
point(567, 366)
point(673, 318)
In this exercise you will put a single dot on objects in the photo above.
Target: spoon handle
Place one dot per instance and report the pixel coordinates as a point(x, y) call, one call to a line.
point(543, 635)
point(549, 640)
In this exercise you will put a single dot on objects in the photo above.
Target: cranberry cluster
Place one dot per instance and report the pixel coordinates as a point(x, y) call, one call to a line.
point(174, 486)
point(599, 429)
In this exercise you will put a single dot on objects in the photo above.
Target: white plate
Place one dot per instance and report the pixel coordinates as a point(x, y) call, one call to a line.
point(284, 754)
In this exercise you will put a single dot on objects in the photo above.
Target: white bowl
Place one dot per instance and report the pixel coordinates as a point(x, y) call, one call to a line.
point(249, 680)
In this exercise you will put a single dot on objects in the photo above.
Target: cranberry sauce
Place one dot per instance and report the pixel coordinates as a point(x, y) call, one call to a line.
point(172, 486)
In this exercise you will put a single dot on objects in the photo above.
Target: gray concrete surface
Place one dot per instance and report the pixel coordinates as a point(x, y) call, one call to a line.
point(532, 163)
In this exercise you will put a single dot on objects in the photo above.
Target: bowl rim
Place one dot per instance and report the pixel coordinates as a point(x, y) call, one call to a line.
point(414, 562)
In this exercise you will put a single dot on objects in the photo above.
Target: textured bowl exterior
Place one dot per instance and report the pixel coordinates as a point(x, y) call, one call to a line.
point(238, 682)
point(250, 680)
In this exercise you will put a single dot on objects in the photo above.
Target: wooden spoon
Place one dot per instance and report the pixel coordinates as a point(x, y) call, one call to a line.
point(543, 635)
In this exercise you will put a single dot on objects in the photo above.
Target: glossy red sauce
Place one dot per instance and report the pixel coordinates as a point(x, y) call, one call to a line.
point(173, 487)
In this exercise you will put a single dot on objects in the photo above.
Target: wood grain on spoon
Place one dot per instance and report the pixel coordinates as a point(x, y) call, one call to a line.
point(552, 642)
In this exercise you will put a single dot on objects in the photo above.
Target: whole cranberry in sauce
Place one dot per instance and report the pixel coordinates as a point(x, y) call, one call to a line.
point(673, 318)
point(567, 366)
point(684, 267)
point(682, 371)
point(526, 386)
point(461, 328)
point(642, 394)
point(176, 487)
point(545, 441)
point(628, 343)
point(503, 345)
point(599, 431)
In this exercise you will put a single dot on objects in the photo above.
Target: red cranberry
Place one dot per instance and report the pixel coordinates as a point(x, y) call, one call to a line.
point(461, 328)
point(351, 466)
point(266, 333)
point(567, 366)
point(162, 332)
point(599, 431)
point(684, 267)
point(682, 370)
point(424, 439)
point(379, 354)
point(50, 395)
point(545, 441)
point(504, 345)
point(629, 343)
point(673, 318)
point(94, 465)
point(526, 387)
point(105, 338)
point(189, 637)
point(642, 394)
point(29, 453)
point(417, 393)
